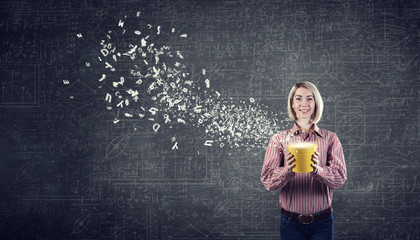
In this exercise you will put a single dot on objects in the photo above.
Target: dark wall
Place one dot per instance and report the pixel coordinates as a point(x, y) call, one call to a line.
point(150, 119)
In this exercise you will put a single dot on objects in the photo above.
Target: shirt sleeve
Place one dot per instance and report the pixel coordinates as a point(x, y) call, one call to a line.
point(274, 174)
point(334, 174)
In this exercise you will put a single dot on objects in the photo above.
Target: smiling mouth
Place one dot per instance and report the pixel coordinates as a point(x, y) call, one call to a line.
point(304, 111)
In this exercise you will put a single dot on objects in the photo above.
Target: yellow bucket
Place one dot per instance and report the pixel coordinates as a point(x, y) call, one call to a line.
point(302, 153)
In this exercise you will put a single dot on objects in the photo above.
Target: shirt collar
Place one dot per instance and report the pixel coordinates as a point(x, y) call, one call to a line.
point(313, 127)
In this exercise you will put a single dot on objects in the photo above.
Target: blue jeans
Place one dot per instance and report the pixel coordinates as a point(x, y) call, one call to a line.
point(322, 229)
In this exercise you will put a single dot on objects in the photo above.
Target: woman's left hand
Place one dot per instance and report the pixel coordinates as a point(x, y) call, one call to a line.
point(315, 159)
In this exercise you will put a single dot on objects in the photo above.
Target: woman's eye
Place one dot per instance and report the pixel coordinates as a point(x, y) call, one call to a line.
point(298, 99)
point(310, 99)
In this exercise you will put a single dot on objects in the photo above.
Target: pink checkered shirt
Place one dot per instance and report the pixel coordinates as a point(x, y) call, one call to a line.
point(305, 193)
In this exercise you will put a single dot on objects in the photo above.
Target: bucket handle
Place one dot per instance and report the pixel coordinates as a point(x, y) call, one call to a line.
point(319, 143)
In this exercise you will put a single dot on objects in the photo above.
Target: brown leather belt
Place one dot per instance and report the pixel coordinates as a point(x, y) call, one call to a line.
point(307, 219)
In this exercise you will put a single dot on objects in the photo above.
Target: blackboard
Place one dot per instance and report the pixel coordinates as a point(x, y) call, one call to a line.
point(150, 119)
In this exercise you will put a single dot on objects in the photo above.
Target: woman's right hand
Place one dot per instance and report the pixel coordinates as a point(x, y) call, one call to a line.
point(288, 160)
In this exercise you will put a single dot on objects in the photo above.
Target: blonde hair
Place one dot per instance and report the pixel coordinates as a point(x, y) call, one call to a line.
point(319, 104)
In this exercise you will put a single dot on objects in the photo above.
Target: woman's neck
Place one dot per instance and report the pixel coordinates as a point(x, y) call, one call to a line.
point(304, 124)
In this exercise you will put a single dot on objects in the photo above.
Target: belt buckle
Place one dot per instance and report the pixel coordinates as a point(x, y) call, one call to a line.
point(301, 219)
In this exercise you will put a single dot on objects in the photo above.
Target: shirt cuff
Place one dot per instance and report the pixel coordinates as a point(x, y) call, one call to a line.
point(319, 173)
point(287, 173)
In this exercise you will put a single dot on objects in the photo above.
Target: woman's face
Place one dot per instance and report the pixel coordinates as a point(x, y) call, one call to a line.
point(303, 103)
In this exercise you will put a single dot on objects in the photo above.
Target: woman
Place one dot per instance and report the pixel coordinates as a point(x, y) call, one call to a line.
point(305, 198)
